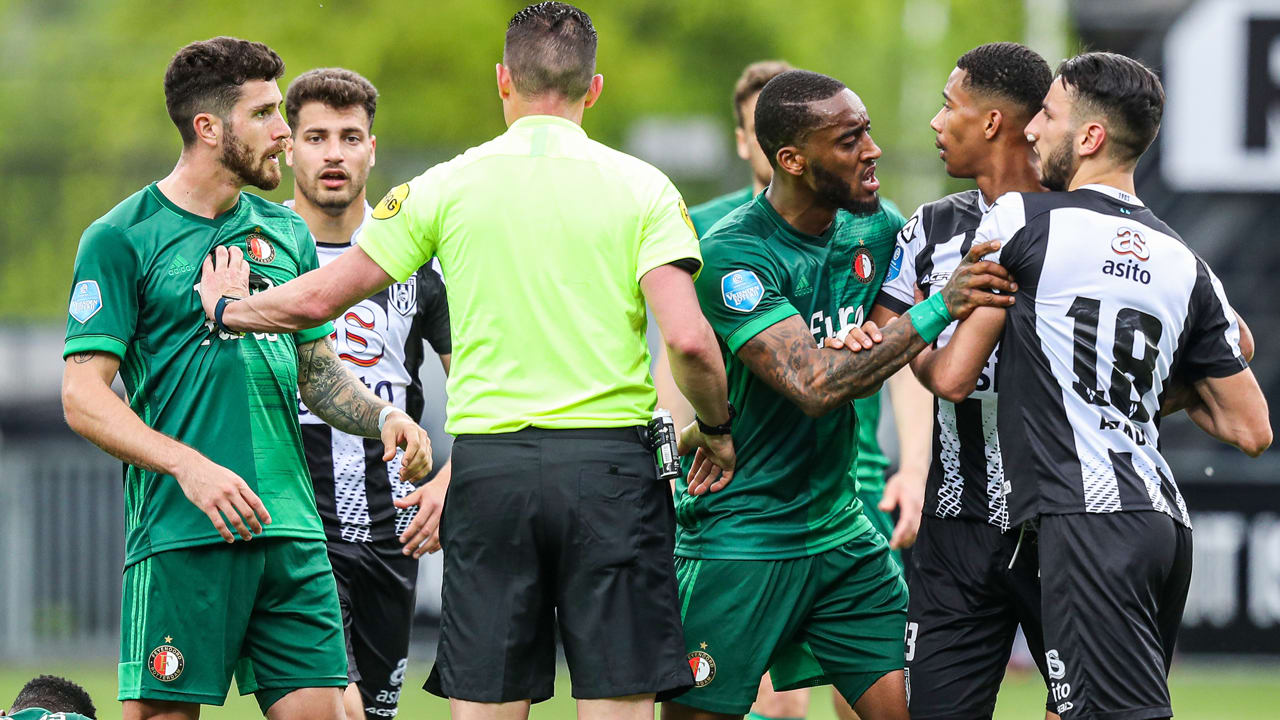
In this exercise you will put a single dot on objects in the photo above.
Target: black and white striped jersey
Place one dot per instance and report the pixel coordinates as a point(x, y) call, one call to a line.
point(381, 341)
point(1111, 305)
point(966, 476)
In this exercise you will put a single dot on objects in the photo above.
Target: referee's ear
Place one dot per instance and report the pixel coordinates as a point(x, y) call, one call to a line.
point(593, 92)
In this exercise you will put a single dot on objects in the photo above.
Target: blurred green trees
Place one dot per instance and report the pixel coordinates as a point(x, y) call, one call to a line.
point(83, 123)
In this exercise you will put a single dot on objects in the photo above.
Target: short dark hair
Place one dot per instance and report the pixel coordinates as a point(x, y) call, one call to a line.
point(55, 694)
point(782, 110)
point(337, 88)
point(1124, 91)
point(753, 79)
point(551, 48)
point(206, 76)
point(1010, 71)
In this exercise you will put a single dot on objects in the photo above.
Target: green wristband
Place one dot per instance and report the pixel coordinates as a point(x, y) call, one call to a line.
point(930, 317)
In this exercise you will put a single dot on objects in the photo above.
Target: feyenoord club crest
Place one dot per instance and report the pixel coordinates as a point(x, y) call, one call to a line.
point(703, 667)
point(864, 266)
point(165, 662)
point(260, 249)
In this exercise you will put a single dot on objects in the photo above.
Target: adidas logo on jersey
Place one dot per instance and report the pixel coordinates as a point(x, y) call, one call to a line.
point(180, 266)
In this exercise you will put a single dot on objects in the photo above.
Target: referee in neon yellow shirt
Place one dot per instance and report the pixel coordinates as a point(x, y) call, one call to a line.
point(552, 244)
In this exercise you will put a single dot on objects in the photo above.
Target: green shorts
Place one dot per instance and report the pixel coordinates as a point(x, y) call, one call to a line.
point(836, 618)
point(880, 520)
point(265, 610)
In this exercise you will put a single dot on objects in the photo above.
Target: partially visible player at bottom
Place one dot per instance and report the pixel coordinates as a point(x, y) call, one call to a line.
point(210, 435)
point(49, 697)
point(380, 339)
point(1116, 322)
point(968, 595)
point(912, 404)
point(782, 570)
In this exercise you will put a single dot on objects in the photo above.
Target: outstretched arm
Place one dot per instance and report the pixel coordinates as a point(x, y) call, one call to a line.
point(307, 301)
point(335, 395)
point(819, 380)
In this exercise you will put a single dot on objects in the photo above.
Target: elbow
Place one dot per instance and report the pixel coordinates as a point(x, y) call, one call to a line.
point(1256, 441)
point(692, 345)
point(72, 411)
point(955, 392)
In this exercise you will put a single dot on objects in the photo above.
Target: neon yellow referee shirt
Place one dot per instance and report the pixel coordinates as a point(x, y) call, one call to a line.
point(543, 235)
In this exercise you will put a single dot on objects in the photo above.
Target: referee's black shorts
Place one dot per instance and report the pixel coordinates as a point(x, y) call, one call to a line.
point(568, 527)
point(1113, 586)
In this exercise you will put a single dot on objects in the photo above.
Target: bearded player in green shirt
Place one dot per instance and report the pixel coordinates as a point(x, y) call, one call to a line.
point(210, 434)
point(821, 600)
point(912, 404)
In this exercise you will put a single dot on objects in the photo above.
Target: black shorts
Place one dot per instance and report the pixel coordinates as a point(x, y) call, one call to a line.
point(965, 607)
point(1114, 587)
point(568, 527)
point(375, 592)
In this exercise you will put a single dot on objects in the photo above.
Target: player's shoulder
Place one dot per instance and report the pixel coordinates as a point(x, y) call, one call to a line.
point(128, 214)
point(707, 214)
point(964, 201)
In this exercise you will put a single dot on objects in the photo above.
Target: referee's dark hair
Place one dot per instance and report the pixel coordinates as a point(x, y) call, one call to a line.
point(551, 48)
point(1010, 71)
point(56, 695)
point(337, 88)
point(1123, 91)
point(782, 111)
point(206, 76)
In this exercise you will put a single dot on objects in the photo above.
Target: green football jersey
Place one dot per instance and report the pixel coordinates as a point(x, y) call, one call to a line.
point(878, 234)
point(233, 398)
point(879, 237)
point(791, 495)
point(710, 212)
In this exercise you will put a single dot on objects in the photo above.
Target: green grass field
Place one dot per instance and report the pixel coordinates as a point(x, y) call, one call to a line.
point(1200, 692)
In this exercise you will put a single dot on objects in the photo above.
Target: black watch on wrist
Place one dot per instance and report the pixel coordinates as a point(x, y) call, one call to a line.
point(718, 429)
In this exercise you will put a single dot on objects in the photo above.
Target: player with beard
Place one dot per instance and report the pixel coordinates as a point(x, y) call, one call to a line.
point(782, 569)
point(912, 404)
point(1117, 322)
point(210, 435)
point(380, 339)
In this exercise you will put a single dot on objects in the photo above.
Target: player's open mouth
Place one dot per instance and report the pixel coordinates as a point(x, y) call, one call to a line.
point(333, 179)
point(869, 181)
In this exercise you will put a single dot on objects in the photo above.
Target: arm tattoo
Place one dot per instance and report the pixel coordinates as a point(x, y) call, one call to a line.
point(333, 393)
point(818, 380)
point(84, 357)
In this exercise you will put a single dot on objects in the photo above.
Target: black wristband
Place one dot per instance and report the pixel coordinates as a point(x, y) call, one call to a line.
point(724, 429)
point(219, 309)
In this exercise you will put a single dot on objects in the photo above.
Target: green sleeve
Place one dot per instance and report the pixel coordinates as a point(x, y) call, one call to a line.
point(307, 261)
point(103, 308)
point(667, 235)
point(402, 234)
point(738, 289)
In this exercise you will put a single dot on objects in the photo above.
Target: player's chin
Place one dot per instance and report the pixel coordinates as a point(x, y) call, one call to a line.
point(268, 178)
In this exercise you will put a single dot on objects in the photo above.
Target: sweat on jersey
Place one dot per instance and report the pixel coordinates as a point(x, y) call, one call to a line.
point(791, 494)
point(966, 476)
point(380, 340)
point(544, 235)
point(231, 397)
point(1112, 304)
